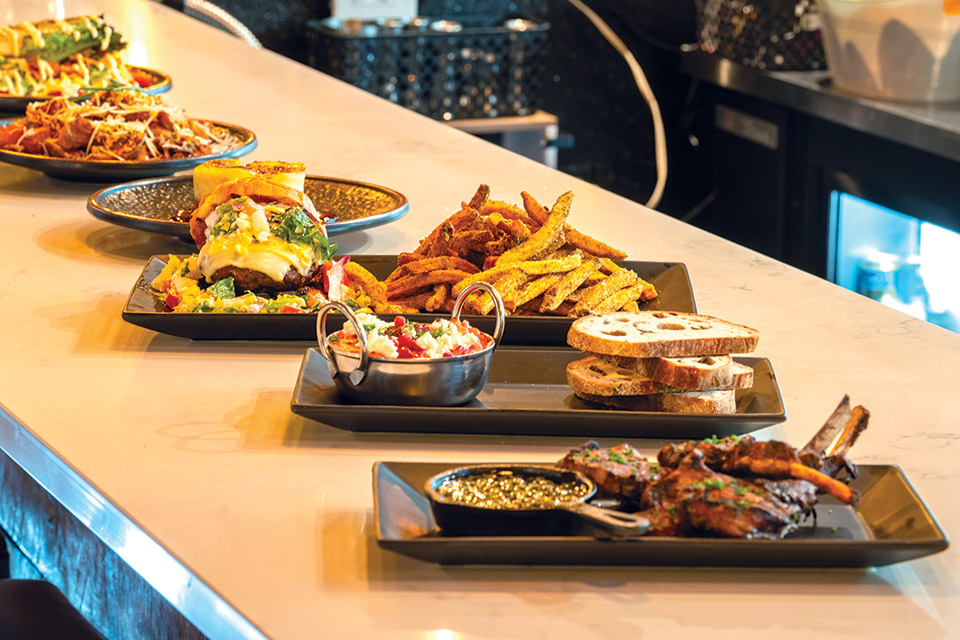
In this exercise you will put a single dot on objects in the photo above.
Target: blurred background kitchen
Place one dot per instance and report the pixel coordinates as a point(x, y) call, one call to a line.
point(824, 133)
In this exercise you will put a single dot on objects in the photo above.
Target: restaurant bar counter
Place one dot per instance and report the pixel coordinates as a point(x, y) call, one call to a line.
point(184, 459)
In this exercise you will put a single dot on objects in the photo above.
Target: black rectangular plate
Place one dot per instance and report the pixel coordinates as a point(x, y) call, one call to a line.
point(527, 394)
point(892, 524)
point(145, 309)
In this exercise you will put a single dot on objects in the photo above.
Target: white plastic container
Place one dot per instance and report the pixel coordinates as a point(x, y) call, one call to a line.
point(905, 50)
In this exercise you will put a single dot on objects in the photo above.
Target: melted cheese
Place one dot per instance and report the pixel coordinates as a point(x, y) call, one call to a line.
point(273, 257)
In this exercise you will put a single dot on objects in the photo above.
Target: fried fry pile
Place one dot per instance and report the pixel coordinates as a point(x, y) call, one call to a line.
point(538, 263)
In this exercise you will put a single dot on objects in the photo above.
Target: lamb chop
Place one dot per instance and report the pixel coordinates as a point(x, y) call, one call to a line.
point(693, 499)
point(620, 471)
point(813, 464)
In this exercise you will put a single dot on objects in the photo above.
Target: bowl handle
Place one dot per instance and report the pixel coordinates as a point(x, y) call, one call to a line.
point(360, 373)
point(497, 302)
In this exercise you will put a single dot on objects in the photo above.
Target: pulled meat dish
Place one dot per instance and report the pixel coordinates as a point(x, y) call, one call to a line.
point(112, 125)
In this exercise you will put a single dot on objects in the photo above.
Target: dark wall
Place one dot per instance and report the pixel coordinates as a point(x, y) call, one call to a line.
point(585, 82)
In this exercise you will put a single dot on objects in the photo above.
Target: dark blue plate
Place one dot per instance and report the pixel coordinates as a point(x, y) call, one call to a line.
point(18, 104)
point(154, 204)
point(245, 141)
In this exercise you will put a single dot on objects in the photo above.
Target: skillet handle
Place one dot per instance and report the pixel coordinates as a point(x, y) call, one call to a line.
point(497, 303)
point(624, 524)
point(357, 375)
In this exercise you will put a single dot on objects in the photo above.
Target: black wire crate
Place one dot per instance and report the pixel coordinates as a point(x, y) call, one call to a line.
point(474, 67)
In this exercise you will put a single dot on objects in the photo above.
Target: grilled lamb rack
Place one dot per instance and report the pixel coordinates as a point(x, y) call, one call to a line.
point(814, 464)
point(693, 499)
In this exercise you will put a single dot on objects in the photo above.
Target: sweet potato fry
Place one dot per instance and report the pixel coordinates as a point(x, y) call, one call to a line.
point(511, 212)
point(564, 309)
point(576, 238)
point(608, 266)
point(435, 244)
point(631, 306)
point(536, 287)
point(498, 224)
point(479, 199)
point(531, 307)
point(368, 282)
point(507, 286)
point(416, 302)
point(649, 291)
point(433, 264)
point(555, 295)
point(544, 239)
point(533, 208)
point(592, 245)
point(591, 298)
point(404, 258)
point(408, 285)
point(620, 298)
point(498, 247)
point(530, 268)
point(474, 239)
point(435, 301)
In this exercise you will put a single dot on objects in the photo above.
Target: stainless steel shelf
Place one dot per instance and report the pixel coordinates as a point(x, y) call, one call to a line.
point(934, 128)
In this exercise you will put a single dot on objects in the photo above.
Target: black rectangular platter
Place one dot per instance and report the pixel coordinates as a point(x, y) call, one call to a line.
point(527, 394)
point(892, 524)
point(145, 309)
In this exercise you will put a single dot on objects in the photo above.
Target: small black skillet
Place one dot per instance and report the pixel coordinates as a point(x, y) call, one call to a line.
point(455, 518)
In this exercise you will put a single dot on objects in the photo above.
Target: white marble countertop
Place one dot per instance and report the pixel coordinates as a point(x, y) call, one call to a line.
point(195, 443)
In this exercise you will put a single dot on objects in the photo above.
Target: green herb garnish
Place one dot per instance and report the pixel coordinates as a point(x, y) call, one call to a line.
point(294, 225)
point(223, 289)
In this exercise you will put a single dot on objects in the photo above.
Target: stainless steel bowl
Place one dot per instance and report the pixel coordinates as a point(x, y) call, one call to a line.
point(439, 382)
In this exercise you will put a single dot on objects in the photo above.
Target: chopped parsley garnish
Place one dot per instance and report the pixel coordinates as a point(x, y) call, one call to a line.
point(616, 457)
point(743, 503)
point(294, 225)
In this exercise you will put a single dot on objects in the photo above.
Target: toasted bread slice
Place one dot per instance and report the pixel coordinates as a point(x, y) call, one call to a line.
point(704, 402)
point(602, 378)
point(660, 334)
point(693, 373)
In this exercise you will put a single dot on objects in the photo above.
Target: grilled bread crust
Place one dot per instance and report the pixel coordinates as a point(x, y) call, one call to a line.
point(703, 402)
point(660, 334)
point(693, 373)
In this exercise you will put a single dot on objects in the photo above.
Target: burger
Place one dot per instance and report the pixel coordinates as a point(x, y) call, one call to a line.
point(267, 236)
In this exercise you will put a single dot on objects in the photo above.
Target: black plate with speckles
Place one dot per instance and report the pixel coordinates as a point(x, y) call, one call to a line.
point(153, 205)
point(891, 524)
point(145, 309)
